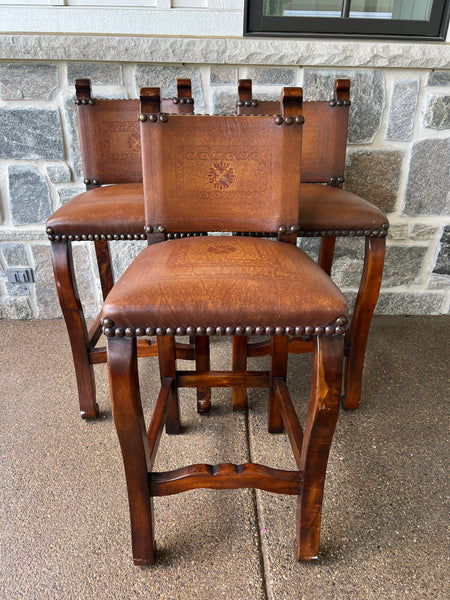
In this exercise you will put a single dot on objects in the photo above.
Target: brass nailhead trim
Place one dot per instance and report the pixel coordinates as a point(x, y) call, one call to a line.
point(333, 103)
point(93, 236)
point(90, 101)
point(382, 232)
point(338, 328)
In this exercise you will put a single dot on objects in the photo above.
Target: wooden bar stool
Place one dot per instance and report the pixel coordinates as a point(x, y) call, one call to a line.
point(327, 212)
point(111, 153)
point(222, 174)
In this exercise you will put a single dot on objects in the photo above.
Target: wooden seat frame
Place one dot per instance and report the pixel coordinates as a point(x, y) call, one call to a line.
point(139, 444)
point(326, 166)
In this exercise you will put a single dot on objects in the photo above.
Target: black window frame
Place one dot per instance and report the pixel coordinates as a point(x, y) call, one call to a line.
point(256, 25)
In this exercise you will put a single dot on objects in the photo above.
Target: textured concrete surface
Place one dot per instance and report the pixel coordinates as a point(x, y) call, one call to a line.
point(65, 528)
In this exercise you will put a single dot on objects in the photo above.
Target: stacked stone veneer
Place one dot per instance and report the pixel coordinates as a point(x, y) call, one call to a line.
point(398, 158)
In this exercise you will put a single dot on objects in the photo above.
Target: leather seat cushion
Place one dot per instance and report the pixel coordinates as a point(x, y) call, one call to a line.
point(119, 209)
point(223, 281)
point(112, 209)
point(323, 207)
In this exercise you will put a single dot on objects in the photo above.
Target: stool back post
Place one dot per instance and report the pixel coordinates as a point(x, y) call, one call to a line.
point(292, 111)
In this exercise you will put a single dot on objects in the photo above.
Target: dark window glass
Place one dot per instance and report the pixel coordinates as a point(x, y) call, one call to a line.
point(414, 19)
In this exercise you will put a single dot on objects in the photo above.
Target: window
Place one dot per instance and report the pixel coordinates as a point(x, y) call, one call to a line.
point(396, 19)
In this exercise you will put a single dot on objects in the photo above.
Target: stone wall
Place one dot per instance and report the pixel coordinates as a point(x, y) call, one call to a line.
point(398, 158)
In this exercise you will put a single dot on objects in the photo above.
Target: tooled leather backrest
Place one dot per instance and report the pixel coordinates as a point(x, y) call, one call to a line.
point(222, 173)
point(109, 133)
point(324, 133)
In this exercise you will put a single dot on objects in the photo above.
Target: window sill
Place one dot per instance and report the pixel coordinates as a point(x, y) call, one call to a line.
point(225, 50)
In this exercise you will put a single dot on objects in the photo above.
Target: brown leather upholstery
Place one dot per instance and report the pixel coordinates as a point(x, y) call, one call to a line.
point(108, 210)
point(227, 282)
point(331, 210)
point(324, 133)
point(230, 189)
point(119, 210)
point(110, 140)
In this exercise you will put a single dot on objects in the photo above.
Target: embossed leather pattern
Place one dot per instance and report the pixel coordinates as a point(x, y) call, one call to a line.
point(324, 137)
point(250, 183)
point(223, 281)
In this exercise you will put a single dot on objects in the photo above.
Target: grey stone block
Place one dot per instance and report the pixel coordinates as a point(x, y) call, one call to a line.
point(59, 174)
point(310, 246)
point(271, 75)
point(46, 297)
point(14, 255)
point(223, 76)
point(73, 138)
point(98, 73)
point(403, 265)
point(375, 176)
point(122, 253)
point(406, 303)
point(428, 187)
point(17, 289)
point(367, 94)
point(14, 235)
point(442, 265)
point(398, 231)
point(421, 232)
point(439, 78)
point(28, 81)
point(439, 282)
point(29, 197)
point(166, 77)
point(402, 110)
point(66, 194)
point(224, 103)
point(15, 308)
point(30, 133)
point(437, 115)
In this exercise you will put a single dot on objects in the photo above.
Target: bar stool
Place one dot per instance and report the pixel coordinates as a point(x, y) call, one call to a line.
point(327, 212)
point(223, 174)
point(111, 154)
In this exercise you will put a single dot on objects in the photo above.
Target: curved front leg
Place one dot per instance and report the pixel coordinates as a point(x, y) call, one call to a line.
point(357, 334)
point(131, 431)
point(72, 310)
point(318, 435)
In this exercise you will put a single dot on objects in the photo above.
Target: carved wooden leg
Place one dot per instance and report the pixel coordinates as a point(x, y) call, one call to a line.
point(278, 368)
point(130, 426)
point(76, 326)
point(356, 336)
point(104, 266)
point(319, 428)
point(326, 253)
point(202, 363)
point(239, 363)
point(167, 368)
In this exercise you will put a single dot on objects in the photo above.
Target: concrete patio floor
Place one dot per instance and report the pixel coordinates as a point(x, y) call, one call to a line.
point(65, 525)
